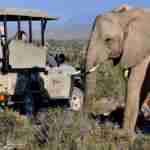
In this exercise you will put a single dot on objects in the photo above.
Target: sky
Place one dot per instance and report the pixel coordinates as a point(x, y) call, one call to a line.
point(72, 12)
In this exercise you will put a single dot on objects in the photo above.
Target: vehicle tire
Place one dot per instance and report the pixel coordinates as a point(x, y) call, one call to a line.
point(76, 101)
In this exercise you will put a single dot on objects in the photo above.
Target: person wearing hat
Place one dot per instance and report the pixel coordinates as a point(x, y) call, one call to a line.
point(63, 66)
point(21, 35)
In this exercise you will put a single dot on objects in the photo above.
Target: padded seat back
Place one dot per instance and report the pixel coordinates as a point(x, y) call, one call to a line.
point(57, 84)
point(26, 55)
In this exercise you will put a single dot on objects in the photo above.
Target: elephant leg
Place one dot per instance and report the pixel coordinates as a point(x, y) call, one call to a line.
point(90, 92)
point(135, 82)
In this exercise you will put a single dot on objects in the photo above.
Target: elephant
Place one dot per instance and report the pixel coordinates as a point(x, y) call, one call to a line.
point(124, 38)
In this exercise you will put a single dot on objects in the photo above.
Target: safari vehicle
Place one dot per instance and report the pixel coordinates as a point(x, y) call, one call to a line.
point(25, 80)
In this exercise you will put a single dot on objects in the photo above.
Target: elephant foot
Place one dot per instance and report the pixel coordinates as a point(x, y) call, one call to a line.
point(126, 134)
point(129, 127)
point(107, 105)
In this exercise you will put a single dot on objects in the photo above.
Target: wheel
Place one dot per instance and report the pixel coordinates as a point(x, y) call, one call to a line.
point(76, 101)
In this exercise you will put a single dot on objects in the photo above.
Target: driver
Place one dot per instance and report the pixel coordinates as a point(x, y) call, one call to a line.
point(63, 66)
point(21, 35)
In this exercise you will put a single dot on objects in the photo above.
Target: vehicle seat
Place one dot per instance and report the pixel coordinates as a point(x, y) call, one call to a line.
point(58, 84)
point(26, 55)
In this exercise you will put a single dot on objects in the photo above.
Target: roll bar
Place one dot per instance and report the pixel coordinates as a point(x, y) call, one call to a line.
point(7, 15)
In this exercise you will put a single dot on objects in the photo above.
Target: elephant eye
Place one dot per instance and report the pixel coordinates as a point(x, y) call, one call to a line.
point(107, 40)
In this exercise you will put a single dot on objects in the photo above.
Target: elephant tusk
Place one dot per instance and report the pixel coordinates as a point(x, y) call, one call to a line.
point(126, 73)
point(90, 71)
point(93, 69)
point(76, 73)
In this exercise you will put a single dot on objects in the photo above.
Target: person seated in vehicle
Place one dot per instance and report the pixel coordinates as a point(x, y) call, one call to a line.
point(51, 62)
point(21, 35)
point(2, 35)
point(64, 66)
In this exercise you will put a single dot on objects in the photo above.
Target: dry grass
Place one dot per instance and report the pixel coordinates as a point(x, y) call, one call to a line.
point(64, 130)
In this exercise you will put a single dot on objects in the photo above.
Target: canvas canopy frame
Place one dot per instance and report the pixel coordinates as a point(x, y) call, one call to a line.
point(19, 15)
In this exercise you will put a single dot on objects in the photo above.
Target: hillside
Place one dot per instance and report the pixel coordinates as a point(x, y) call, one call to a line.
point(74, 50)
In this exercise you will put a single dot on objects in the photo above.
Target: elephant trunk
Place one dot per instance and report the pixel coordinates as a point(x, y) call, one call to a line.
point(91, 61)
point(90, 80)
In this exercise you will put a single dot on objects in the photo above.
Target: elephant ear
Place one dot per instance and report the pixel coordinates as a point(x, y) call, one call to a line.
point(136, 44)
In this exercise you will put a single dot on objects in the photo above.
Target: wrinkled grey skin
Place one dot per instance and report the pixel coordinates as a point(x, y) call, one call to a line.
point(124, 36)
